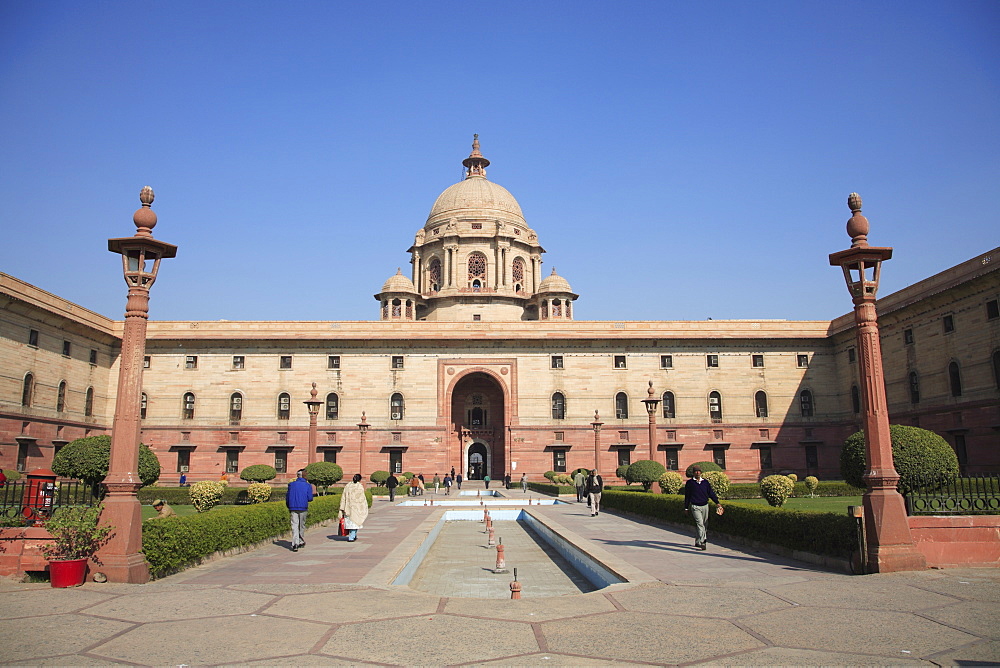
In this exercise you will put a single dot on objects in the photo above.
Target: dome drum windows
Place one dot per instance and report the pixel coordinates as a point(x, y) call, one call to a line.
point(517, 274)
point(434, 275)
point(477, 271)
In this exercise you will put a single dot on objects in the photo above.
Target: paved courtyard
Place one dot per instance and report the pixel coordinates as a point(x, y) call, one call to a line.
point(330, 604)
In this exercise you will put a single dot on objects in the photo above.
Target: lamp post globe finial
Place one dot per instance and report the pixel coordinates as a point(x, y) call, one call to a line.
point(857, 224)
point(144, 217)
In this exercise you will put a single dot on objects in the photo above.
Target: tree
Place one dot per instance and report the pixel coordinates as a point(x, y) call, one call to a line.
point(379, 478)
point(323, 474)
point(645, 472)
point(704, 466)
point(620, 471)
point(921, 458)
point(87, 459)
point(671, 482)
point(776, 489)
point(258, 473)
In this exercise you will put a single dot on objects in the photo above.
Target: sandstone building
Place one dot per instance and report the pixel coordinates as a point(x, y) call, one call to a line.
point(476, 362)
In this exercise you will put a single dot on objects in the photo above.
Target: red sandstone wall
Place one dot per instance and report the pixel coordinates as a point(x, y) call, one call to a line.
point(965, 540)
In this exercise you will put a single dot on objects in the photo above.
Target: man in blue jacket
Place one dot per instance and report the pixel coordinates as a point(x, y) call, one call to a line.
point(300, 493)
point(697, 492)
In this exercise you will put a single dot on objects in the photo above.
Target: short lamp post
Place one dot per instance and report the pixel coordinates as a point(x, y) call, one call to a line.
point(887, 531)
point(363, 430)
point(597, 424)
point(122, 559)
point(651, 403)
point(312, 405)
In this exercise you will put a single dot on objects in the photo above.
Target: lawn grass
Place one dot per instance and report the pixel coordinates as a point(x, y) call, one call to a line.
point(821, 504)
point(148, 512)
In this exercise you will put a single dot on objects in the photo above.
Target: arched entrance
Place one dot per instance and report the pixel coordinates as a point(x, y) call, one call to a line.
point(478, 421)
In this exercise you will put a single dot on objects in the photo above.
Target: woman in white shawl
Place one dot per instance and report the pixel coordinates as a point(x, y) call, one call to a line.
point(354, 507)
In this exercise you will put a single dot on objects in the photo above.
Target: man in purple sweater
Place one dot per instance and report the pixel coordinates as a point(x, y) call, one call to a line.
point(697, 492)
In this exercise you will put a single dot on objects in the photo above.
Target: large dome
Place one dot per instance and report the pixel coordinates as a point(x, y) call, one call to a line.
point(477, 196)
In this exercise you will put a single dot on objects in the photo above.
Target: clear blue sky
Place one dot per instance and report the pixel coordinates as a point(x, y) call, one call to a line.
point(678, 160)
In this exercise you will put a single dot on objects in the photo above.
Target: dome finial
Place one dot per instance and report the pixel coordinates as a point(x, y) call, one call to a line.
point(857, 224)
point(145, 218)
point(475, 164)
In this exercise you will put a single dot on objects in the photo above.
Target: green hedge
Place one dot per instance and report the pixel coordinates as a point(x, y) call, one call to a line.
point(551, 488)
point(180, 496)
point(752, 490)
point(828, 534)
point(174, 543)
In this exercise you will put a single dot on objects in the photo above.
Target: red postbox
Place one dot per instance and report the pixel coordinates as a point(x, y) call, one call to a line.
point(39, 495)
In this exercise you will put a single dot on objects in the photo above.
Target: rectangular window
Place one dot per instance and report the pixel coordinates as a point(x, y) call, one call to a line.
point(93, 356)
point(397, 361)
point(232, 461)
point(852, 356)
point(717, 434)
point(397, 437)
point(476, 317)
point(666, 361)
point(281, 461)
point(559, 461)
point(719, 457)
point(992, 309)
point(239, 362)
point(765, 434)
point(765, 458)
point(757, 361)
point(67, 348)
point(145, 362)
point(559, 436)
point(33, 337)
point(623, 436)
point(907, 337)
point(191, 362)
point(672, 459)
point(333, 362)
point(331, 437)
point(557, 362)
point(812, 457)
point(620, 362)
point(330, 456)
point(712, 361)
point(624, 456)
point(477, 226)
point(285, 362)
point(948, 321)
point(671, 435)
point(802, 361)
point(183, 460)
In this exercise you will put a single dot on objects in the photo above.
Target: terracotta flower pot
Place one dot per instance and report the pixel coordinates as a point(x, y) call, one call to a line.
point(67, 572)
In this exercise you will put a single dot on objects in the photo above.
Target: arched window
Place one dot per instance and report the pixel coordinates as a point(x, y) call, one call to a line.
point(396, 406)
point(397, 308)
point(621, 406)
point(517, 273)
point(760, 403)
point(996, 368)
point(434, 275)
point(558, 406)
point(188, 413)
point(284, 406)
point(143, 403)
point(855, 399)
point(28, 390)
point(669, 407)
point(88, 404)
point(914, 388)
point(715, 406)
point(477, 270)
point(556, 308)
point(332, 406)
point(806, 403)
point(955, 379)
point(235, 407)
point(61, 397)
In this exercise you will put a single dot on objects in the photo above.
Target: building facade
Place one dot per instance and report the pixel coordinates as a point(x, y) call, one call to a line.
point(475, 362)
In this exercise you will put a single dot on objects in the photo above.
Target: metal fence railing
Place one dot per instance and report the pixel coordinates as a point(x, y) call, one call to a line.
point(36, 499)
point(965, 495)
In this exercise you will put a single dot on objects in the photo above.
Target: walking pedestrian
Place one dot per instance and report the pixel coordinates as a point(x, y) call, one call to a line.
point(506, 481)
point(392, 482)
point(437, 482)
point(579, 480)
point(595, 486)
point(524, 482)
point(447, 485)
point(486, 479)
point(697, 492)
point(297, 498)
point(422, 486)
point(414, 485)
point(354, 507)
point(458, 480)
point(452, 472)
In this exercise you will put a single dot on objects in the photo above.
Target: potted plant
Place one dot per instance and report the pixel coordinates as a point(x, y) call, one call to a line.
point(76, 538)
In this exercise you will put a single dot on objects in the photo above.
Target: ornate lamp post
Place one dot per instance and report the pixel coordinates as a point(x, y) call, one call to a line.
point(312, 405)
point(597, 424)
point(890, 545)
point(363, 429)
point(122, 557)
point(651, 404)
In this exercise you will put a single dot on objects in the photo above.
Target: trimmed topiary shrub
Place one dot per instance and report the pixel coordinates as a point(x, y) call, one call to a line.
point(921, 458)
point(258, 492)
point(671, 482)
point(563, 479)
point(259, 473)
point(323, 474)
point(206, 494)
point(12, 475)
point(378, 478)
point(87, 459)
point(407, 475)
point(719, 482)
point(704, 466)
point(550, 476)
point(812, 482)
point(620, 471)
point(776, 489)
point(793, 477)
point(644, 472)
